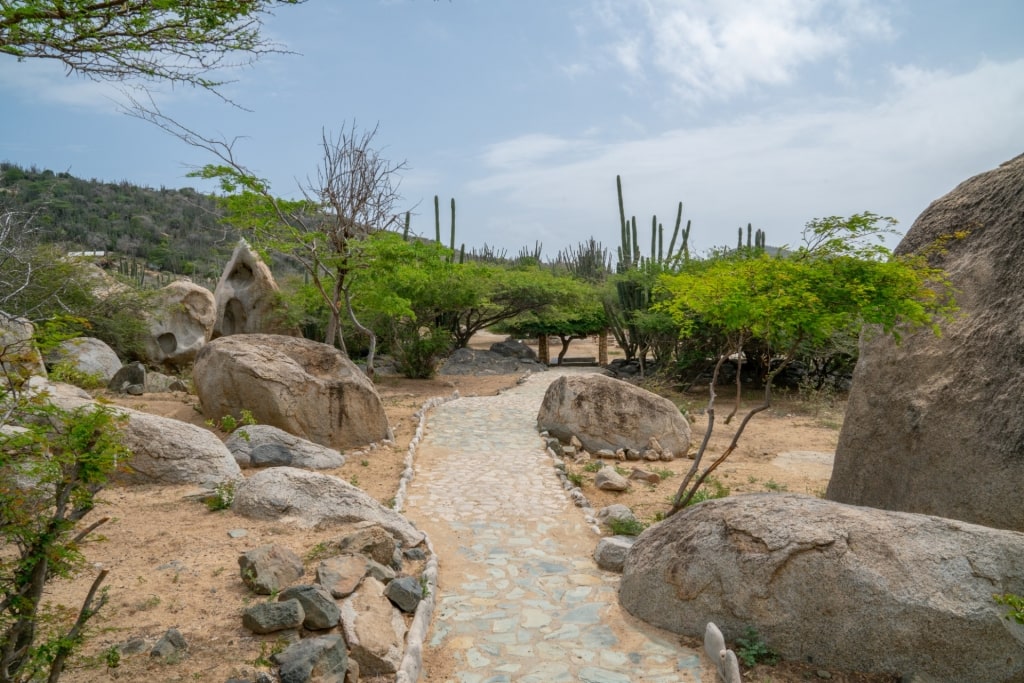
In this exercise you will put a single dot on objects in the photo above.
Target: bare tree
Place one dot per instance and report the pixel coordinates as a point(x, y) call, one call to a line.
point(354, 194)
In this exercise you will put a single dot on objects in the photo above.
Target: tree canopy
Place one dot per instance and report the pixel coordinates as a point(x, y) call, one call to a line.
point(178, 41)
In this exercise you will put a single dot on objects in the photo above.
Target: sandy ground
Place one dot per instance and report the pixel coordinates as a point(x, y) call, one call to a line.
point(173, 564)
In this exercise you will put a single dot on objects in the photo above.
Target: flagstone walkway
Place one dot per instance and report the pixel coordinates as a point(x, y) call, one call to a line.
point(520, 598)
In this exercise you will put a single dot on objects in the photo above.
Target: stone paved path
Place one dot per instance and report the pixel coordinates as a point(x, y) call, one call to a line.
point(520, 598)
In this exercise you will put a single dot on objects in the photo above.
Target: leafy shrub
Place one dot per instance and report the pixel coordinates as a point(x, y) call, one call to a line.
point(711, 488)
point(752, 650)
point(1016, 605)
point(222, 498)
point(626, 527)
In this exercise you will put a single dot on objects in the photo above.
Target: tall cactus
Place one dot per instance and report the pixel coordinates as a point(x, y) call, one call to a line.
point(437, 230)
point(636, 274)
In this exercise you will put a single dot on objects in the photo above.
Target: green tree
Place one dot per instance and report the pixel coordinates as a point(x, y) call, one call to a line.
point(841, 281)
point(178, 41)
point(577, 314)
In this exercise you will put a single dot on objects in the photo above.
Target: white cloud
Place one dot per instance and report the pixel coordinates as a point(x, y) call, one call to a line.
point(526, 150)
point(893, 157)
point(714, 50)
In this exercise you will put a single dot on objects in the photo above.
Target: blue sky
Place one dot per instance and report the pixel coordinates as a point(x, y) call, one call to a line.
point(764, 111)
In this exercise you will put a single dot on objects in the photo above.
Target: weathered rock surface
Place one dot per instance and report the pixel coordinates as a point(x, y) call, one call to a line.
point(180, 323)
point(842, 586)
point(309, 499)
point(269, 568)
point(374, 629)
point(607, 413)
point(373, 542)
point(321, 660)
point(167, 451)
point(514, 349)
point(129, 379)
point(308, 389)
point(933, 425)
point(266, 446)
point(342, 574)
point(318, 606)
point(246, 297)
point(87, 355)
point(405, 592)
point(610, 553)
point(270, 617)
point(607, 479)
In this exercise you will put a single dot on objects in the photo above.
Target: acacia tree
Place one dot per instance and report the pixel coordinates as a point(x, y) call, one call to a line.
point(181, 41)
point(842, 280)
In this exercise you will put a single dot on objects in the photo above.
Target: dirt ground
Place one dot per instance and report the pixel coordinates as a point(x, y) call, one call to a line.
point(173, 564)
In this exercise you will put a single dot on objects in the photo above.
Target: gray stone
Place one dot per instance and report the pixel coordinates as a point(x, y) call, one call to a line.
point(321, 612)
point(269, 568)
point(932, 424)
point(313, 500)
point(476, 362)
point(606, 413)
point(267, 446)
point(374, 629)
point(305, 388)
point(406, 592)
point(833, 583)
point(132, 374)
point(341, 575)
point(87, 355)
point(373, 541)
point(643, 475)
point(607, 479)
point(171, 643)
point(323, 659)
point(268, 617)
point(610, 553)
point(514, 349)
point(180, 323)
point(617, 513)
point(381, 572)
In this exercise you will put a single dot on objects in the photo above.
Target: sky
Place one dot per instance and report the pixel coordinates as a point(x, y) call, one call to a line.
point(770, 112)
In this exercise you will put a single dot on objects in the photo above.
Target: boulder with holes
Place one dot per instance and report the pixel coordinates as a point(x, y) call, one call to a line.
point(179, 324)
point(247, 297)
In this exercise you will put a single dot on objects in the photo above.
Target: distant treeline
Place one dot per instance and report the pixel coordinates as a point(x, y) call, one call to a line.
point(172, 230)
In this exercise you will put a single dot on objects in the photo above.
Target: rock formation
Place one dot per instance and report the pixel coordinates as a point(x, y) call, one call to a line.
point(87, 355)
point(180, 323)
point(308, 389)
point(246, 297)
point(606, 413)
point(934, 424)
point(841, 586)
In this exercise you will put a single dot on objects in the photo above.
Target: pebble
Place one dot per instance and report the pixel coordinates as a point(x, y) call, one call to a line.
point(532, 605)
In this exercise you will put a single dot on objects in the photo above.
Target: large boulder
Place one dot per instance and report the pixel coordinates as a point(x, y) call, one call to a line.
point(306, 388)
point(840, 586)
point(87, 355)
point(934, 424)
point(247, 297)
point(179, 324)
point(607, 413)
point(312, 500)
point(164, 450)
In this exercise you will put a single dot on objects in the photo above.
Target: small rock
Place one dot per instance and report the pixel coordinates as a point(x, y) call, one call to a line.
point(406, 592)
point(323, 659)
point(269, 568)
point(341, 575)
point(617, 512)
point(373, 541)
point(321, 612)
point(632, 455)
point(238, 533)
point(379, 571)
point(269, 617)
point(607, 479)
point(643, 475)
point(610, 553)
point(171, 643)
point(132, 646)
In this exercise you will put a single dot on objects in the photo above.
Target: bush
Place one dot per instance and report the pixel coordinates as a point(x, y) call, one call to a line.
point(52, 464)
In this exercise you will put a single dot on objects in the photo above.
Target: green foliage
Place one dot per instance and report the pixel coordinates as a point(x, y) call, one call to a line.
point(69, 374)
point(626, 527)
point(752, 650)
point(575, 478)
point(178, 42)
point(1015, 603)
point(593, 466)
point(711, 489)
point(222, 497)
point(52, 464)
